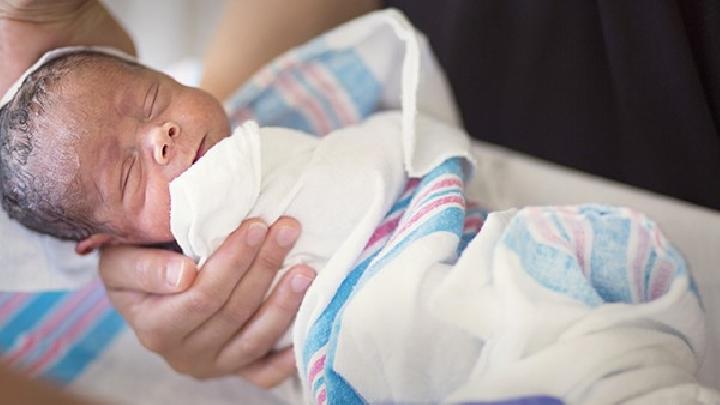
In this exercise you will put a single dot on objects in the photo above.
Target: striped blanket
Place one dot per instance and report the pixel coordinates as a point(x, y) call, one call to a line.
point(498, 294)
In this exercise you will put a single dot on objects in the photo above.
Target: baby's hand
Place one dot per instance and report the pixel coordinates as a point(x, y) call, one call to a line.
point(221, 323)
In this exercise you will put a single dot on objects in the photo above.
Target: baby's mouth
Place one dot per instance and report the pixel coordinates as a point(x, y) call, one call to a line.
point(200, 151)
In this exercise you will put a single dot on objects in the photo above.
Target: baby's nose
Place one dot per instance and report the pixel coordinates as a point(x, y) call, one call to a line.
point(163, 142)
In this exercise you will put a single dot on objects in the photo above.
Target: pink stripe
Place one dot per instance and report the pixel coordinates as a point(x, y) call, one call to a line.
point(383, 231)
point(59, 346)
point(570, 220)
point(335, 93)
point(546, 230)
point(322, 396)
point(579, 239)
point(446, 200)
point(297, 96)
point(267, 75)
point(10, 306)
point(446, 182)
point(317, 367)
point(48, 326)
point(641, 253)
point(660, 280)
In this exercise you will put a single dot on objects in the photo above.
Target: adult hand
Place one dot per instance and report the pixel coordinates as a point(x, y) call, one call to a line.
point(29, 28)
point(216, 322)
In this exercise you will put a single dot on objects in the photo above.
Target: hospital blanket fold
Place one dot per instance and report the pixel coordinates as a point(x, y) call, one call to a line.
point(551, 301)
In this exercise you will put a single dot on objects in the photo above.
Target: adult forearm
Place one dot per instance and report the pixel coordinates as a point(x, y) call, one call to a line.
point(28, 28)
point(20, 389)
point(41, 10)
point(252, 32)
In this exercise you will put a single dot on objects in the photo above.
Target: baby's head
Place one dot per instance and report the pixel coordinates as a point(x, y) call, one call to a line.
point(90, 144)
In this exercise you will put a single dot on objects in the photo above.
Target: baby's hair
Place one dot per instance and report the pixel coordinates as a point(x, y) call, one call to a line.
point(41, 201)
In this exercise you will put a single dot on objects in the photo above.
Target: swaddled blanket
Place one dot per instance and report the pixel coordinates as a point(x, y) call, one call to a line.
point(587, 304)
point(335, 81)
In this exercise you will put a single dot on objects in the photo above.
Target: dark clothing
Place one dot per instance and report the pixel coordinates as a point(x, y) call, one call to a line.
point(628, 90)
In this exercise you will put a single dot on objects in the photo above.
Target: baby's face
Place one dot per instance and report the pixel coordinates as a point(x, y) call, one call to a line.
point(138, 130)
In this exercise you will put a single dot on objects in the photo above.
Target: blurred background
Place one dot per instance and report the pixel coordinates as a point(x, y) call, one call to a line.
point(168, 31)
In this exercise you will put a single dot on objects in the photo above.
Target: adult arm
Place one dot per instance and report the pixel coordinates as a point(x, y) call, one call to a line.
point(29, 28)
point(21, 389)
point(221, 324)
point(251, 33)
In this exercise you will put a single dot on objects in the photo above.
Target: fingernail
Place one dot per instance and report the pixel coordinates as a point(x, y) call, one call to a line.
point(300, 283)
point(256, 234)
point(174, 272)
point(286, 236)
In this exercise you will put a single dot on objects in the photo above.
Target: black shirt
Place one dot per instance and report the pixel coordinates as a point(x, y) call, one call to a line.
point(628, 90)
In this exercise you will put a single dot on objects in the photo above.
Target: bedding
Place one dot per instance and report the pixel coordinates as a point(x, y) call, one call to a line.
point(89, 355)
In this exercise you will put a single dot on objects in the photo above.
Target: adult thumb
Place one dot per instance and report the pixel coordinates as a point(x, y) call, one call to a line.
point(146, 270)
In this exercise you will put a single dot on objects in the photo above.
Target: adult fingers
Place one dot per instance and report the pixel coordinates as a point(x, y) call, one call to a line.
point(271, 370)
point(270, 322)
point(181, 314)
point(148, 270)
point(250, 291)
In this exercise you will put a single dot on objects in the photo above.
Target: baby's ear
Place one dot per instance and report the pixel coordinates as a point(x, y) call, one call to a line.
point(92, 242)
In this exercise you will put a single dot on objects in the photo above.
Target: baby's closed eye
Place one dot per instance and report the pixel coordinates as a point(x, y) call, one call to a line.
point(150, 99)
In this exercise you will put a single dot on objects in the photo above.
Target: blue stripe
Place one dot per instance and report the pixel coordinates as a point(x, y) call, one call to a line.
point(27, 317)
point(87, 350)
point(608, 257)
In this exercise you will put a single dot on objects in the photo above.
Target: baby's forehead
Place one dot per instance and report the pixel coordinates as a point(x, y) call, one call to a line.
point(93, 94)
point(97, 77)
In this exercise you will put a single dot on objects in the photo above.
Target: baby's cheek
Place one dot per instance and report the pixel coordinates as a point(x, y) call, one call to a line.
point(155, 217)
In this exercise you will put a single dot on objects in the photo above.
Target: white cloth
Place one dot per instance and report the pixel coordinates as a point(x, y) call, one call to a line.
point(338, 186)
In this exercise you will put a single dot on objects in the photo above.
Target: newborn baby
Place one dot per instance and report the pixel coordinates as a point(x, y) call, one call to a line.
point(90, 143)
point(116, 134)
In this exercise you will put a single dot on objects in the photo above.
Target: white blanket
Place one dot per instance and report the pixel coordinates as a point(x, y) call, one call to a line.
point(580, 303)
